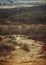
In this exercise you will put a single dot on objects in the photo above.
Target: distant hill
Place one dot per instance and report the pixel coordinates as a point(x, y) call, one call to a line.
point(25, 15)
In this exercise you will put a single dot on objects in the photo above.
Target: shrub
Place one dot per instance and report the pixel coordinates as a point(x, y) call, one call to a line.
point(1, 39)
point(25, 47)
point(7, 47)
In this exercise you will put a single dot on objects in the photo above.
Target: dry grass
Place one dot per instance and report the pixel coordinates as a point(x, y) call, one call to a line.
point(21, 55)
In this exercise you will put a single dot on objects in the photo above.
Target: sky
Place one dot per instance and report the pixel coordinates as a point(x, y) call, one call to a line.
point(22, 0)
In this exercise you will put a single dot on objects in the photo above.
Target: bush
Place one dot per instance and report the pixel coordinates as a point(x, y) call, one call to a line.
point(1, 39)
point(7, 47)
point(25, 47)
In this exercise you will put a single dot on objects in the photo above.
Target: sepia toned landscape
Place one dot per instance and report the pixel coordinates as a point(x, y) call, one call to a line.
point(23, 35)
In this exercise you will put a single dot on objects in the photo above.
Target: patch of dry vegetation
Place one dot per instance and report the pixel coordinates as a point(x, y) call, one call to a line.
point(34, 31)
point(22, 51)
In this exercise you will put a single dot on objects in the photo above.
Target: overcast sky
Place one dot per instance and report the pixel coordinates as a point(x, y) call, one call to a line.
point(22, 0)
